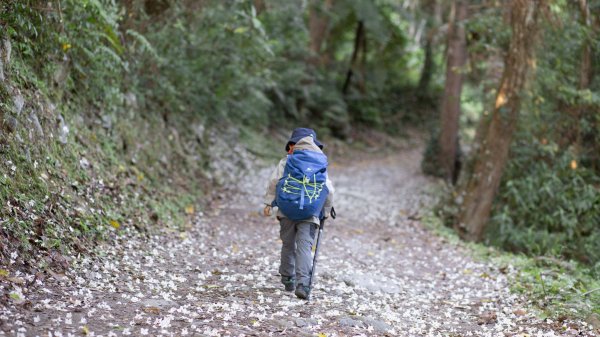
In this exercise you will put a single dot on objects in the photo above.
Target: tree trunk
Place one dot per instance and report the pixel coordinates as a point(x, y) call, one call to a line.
point(129, 17)
point(432, 8)
point(450, 113)
point(585, 72)
point(260, 6)
point(362, 86)
point(318, 23)
point(479, 190)
point(428, 67)
point(358, 44)
point(585, 75)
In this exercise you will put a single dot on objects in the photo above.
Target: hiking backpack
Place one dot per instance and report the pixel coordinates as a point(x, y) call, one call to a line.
point(302, 191)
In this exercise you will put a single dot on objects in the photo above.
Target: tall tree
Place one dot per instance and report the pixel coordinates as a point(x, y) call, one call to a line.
point(583, 113)
point(585, 72)
point(450, 108)
point(478, 191)
point(432, 9)
point(360, 43)
point(318, 22)
point(577, 112)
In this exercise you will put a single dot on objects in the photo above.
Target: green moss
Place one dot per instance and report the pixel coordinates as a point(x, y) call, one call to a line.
point(56, 203)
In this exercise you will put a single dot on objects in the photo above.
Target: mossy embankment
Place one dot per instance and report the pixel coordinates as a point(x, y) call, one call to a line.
point(75, 173)
point(70, 177)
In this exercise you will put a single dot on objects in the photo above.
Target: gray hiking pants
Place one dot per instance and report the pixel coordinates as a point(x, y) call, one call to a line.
point(296, 258)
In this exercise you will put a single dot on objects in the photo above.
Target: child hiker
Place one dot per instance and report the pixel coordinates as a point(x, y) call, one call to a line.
point(300, 188)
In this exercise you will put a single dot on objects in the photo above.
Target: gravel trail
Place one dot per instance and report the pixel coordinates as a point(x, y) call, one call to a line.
point(380, 274)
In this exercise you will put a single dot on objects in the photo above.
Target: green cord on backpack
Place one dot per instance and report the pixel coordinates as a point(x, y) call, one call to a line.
point(302, 191)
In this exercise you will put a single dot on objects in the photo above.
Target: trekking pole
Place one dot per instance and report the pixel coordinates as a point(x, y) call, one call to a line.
point(314, 266)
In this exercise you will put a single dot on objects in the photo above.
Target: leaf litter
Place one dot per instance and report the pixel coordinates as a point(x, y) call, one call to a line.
point(381, 274)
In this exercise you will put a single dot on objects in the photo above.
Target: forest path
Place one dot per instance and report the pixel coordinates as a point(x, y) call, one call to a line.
point(380, 273)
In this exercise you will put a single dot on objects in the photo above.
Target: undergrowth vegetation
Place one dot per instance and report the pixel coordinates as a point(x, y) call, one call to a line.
point(557, 288)
point(549, 199)
point(548, 202)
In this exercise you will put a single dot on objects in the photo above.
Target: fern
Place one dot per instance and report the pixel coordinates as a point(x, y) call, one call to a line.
point(146, 45)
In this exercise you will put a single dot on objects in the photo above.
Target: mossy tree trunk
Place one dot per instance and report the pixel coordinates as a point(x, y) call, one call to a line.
point(479, 190)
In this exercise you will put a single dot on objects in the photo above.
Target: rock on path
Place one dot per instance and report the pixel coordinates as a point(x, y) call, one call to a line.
point(380, 274)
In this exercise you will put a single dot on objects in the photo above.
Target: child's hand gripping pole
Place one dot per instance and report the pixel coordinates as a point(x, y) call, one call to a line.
point(314, 266)
point(268, 210)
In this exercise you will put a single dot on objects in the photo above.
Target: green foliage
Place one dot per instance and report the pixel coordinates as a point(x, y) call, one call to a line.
point(548, 207)
point(556, 288)
point(488, 37)
point(69, 44)
point(198, 70)
point(429, 164)
point(549, 200)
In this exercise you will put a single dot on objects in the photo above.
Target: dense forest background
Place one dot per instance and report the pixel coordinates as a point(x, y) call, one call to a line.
point(117, 113)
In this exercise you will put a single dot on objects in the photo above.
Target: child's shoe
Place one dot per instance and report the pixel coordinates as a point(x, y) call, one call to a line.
point(302, 291)
point(289, 283)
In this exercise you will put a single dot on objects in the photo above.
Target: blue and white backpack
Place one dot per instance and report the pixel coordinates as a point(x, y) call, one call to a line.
point(302, 191)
